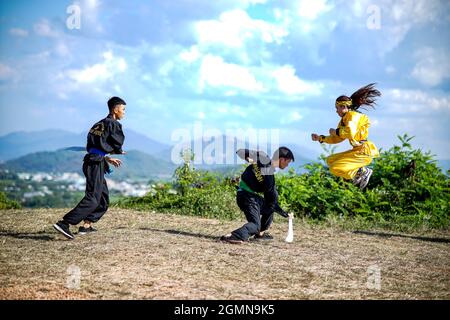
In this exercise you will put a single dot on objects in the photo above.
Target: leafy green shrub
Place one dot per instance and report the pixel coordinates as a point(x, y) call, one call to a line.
point(193, 192)
point(6, 203)
point(410, 187)
point(407, 190)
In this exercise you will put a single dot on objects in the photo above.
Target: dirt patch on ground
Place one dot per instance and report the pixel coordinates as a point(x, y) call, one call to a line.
point(138, 255)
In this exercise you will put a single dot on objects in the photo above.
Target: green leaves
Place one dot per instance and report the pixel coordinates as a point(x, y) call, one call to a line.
point(407, 190)
point(6, 203)
point(406, 183)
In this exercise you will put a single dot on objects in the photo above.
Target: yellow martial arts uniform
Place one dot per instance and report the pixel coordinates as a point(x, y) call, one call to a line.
point(354, 126)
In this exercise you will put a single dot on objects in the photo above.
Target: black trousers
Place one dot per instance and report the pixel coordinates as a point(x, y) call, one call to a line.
point(96, 199)
point(259, 216)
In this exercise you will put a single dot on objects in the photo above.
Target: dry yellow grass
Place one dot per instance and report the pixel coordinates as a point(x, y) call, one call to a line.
point(138, 255)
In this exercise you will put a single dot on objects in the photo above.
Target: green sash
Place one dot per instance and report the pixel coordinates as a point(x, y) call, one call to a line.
point(244, 186)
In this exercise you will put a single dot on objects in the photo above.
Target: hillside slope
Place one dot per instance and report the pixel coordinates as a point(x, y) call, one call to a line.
point(140, 255)
point(136, 164)
point(17, 144)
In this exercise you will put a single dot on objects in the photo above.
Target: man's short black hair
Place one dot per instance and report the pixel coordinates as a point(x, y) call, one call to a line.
point(283, 152)
point(114, 101)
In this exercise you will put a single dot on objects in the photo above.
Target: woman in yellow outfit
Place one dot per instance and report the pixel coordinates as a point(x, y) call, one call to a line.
point(353, 126)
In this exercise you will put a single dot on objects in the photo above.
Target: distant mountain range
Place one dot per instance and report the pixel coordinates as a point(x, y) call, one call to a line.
point(46, 151)
point(136, 165)
point(146, 158)
point(17, 144)
point(206, 152)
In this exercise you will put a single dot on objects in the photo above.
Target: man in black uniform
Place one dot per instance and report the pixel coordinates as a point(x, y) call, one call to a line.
point(105, 137)
point(258, 177)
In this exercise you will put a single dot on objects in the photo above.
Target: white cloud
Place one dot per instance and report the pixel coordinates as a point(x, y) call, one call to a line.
point(414, 101)
point(418, 11)
point(432, 67)
point(397, 18)
point(394, 35)
point(232, 110)
point(191, 55)
point(166, 68)
point(43, 28)
point(256, 1)
point(90, 74)
point(18, 32)
point(310, 25)
point(108, 55)
point(312, 9)
point(110, 67)
point(236, 110)
point(201, 115)
point(92, 4)
point(233, 79)
point(215, 72)
point(291, 117)
point(289, 83)
point(399, 12)
point(234, 28)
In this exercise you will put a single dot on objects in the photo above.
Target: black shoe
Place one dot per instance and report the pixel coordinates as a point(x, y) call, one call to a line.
point(265, 236)
point(63, 228)
point(231, 238)
point(83, 230)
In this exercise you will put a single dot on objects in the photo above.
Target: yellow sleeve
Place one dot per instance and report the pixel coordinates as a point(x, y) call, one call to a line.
point(330, 139)
point(350, 126)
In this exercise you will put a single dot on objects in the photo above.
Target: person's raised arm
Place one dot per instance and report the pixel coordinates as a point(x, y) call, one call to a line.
point(271, 195)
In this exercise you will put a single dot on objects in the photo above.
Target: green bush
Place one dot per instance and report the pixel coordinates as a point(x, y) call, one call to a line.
point(410, 187)
point(6, 203)
point(407, 190)
point(193, 192)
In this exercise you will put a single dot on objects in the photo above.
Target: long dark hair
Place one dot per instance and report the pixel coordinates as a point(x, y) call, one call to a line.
point(364, 96)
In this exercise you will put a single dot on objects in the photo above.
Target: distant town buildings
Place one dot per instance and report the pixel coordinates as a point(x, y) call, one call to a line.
point(72, 181)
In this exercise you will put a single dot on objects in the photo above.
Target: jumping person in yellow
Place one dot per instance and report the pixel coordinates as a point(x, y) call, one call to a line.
point(354, 126)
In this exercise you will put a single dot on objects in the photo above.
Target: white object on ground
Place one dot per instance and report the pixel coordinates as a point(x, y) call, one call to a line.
point(290, 234)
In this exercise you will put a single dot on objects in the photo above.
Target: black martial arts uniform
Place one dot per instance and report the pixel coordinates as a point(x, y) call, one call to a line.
point(105, 137)
point(258, 177)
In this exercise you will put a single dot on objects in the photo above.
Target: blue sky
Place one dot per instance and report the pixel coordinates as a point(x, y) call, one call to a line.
point(235, 64)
